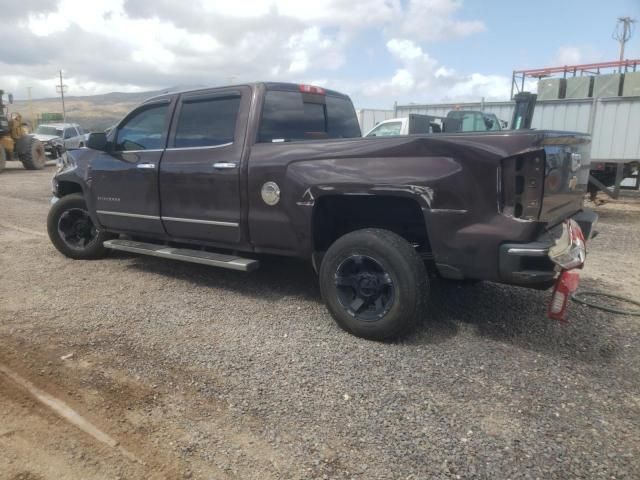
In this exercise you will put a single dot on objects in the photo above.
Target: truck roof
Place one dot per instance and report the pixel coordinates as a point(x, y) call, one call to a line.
point(282, 86)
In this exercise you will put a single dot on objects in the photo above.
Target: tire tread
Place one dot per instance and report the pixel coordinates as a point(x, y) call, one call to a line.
point(96, 251)
point(375, 239)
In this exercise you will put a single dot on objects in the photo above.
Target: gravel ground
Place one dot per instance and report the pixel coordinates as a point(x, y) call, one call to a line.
point(206, 373)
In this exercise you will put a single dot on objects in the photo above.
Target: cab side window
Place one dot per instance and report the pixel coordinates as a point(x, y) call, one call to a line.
point(144, 130)
point(207, 122)
point(70, 132)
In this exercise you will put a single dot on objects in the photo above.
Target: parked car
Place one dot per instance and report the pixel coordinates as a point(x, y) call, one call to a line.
point(455, 121)
point(58, 137)
point(275, 168)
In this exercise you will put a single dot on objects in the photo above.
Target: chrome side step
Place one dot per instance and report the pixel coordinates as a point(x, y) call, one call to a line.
point(184, 254)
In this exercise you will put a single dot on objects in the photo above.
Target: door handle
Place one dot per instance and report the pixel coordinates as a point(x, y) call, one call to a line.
point(146, 165)
point(225, 165)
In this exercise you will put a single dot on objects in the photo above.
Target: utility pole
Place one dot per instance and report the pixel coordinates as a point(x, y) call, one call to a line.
point(61, 89)
point(622, 33)
point(32, 117)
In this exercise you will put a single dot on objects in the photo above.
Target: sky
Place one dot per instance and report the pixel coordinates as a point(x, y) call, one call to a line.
point(377, 51)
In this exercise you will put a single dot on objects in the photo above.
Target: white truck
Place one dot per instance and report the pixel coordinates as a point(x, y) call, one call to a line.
point(455, 121)
point(58, 137)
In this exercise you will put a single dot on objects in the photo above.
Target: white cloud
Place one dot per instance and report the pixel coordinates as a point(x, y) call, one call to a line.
point(568, 55)
point(126, 45)
point(476, 85)
point(403, 81)
point(404, 50)
point(312, 45)
point(431, 20)
point(421, 78)
point(577, 54)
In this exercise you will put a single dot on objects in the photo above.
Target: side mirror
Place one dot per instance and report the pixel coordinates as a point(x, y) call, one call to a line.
point(97, 141)
point(10, 97)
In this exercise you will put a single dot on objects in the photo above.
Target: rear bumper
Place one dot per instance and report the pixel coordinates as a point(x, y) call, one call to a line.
point(531, 264)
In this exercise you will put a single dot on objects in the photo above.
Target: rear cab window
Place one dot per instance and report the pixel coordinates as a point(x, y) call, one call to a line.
point(289, 114)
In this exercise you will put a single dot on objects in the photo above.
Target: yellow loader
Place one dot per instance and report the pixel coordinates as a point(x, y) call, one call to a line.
point(15, 141)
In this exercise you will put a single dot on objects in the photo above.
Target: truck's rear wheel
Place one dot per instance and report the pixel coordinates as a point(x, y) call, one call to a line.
point(72, 231)
point(3, 158)
point(31, 153)
point(374, 284)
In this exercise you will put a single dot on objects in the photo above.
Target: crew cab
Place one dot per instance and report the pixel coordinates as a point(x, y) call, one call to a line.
point(223, 175)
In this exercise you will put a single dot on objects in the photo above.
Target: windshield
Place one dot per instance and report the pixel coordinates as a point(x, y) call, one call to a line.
point(386, 129)
point(47, 130)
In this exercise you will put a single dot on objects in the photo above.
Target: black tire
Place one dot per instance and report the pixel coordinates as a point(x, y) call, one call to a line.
point(3, 158)
point(72, 232)
point(374, 260)
point(31, 153)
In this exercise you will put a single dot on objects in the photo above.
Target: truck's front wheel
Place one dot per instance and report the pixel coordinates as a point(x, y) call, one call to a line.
point(374, 284)
point(72, 231)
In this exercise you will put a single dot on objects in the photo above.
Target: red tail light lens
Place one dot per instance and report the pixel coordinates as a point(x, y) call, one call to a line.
point(566, 284)
point(312, 89)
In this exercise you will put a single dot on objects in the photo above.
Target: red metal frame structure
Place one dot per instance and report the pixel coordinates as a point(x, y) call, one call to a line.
point(519, 76)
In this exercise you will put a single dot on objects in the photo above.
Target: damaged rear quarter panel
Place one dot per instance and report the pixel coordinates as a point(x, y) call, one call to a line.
point(452, 178)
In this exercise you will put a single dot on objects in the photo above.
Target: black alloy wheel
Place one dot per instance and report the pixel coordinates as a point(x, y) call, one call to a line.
point(72, 231)
point(374, 284)
point(365, 289)
point(76, 229)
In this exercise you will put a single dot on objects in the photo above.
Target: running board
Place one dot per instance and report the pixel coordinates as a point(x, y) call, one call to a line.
point(184, 254)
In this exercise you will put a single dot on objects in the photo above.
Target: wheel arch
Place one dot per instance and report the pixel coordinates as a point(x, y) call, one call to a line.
point(335, 215)
point(69, 183)
point(67, 187)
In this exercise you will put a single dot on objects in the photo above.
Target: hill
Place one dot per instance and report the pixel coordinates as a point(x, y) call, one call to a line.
point(92, 112)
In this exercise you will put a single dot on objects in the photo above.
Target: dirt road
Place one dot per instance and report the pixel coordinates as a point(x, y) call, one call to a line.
point(202, 373)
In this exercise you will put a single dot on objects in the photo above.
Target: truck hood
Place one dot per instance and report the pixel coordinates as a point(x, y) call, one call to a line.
point(45, 138)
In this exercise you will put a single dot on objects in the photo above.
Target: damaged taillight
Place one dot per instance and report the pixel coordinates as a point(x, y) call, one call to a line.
point(566, 284)
point(568, 253)
point(569, 250)
point(521, 186)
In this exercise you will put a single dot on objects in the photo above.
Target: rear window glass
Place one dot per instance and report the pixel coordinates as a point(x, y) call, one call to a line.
point(207, 122)
point(288, 116)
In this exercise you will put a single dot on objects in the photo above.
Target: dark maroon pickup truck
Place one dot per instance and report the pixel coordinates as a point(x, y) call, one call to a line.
point(218, 176)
